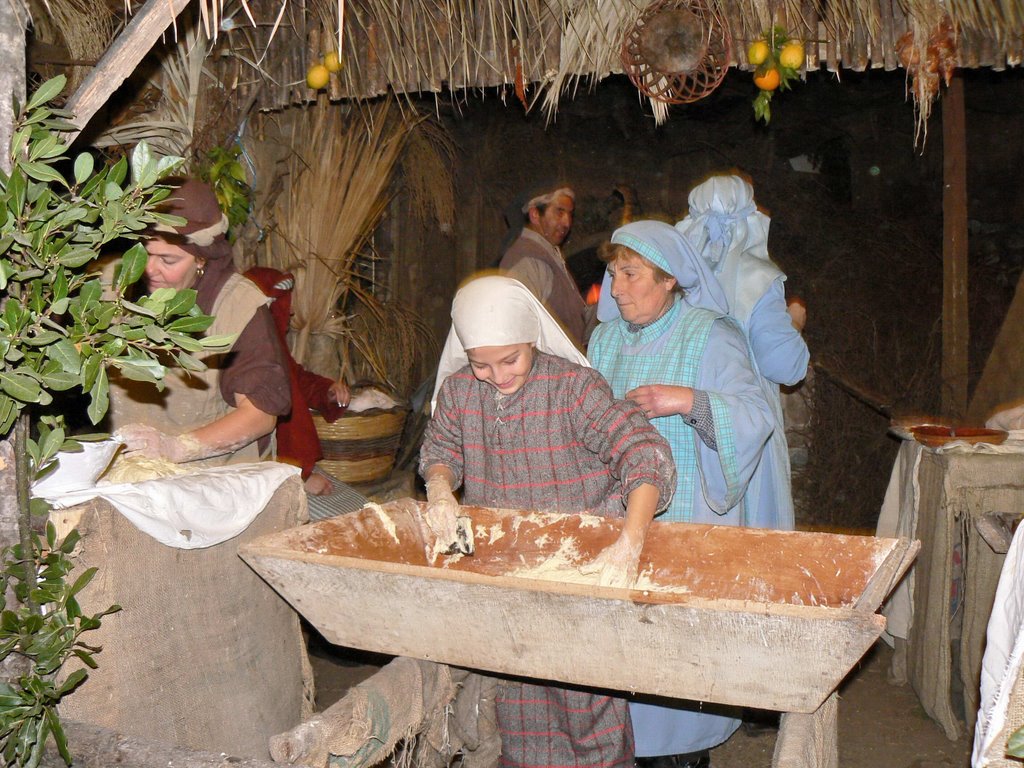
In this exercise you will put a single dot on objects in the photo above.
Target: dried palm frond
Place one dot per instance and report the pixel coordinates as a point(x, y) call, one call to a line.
point(592, 34)
point(410, 46)
point(1001, 17)
point(170, 128)
point(340, 171)
point(427, 165)
point(397, 43)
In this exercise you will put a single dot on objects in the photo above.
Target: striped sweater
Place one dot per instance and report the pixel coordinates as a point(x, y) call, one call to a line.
point(561, 443)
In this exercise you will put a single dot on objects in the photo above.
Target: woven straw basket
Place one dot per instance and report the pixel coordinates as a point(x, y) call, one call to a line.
point(361, 447)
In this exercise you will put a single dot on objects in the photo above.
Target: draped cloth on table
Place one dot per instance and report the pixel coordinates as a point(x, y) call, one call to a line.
point(937, 617)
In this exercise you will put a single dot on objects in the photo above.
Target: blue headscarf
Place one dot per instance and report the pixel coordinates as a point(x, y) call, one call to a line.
point(665, 247)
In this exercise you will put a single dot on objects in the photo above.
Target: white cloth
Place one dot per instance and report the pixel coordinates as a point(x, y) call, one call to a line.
point(1004, 652)
point(1008, 419)
point(898, 519)
point(191, 511)
point(369, 398)
point(495, 311)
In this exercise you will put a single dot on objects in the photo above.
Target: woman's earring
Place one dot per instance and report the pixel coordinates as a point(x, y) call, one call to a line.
point(200, 270)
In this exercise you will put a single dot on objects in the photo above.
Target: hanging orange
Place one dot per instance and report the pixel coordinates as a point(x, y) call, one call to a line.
point(768, 80)
point(332, 62)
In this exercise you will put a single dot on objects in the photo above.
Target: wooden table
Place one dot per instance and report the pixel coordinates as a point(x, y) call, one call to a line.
point(940, 611)
point(745, 617)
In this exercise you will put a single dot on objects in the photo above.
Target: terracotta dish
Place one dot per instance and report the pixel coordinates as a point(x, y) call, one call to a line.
point(933, 436)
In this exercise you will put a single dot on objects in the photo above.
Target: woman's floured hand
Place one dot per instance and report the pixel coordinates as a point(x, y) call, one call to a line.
point(617, 565)
point(662, 399)
point(151, 442)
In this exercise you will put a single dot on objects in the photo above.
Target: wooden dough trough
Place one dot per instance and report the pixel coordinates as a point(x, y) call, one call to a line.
point(748, 617)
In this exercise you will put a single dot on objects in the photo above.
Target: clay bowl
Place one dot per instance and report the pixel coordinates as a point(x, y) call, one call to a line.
point(934, 436)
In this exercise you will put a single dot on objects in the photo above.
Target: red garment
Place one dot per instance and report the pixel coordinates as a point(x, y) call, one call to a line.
point(297, 440)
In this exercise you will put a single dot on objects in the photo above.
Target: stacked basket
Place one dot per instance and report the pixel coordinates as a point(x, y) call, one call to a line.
point(361, 447)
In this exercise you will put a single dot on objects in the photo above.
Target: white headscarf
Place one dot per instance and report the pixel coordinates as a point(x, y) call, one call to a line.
point(731, 235)
point(495, 311)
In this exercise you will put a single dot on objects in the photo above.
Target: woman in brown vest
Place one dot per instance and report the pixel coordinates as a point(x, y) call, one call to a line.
point(228, 411)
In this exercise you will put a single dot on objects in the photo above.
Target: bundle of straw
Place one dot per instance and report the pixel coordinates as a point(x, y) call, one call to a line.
point(393, 344)
point(86, 28)
point(340, 170)
point(427, 174)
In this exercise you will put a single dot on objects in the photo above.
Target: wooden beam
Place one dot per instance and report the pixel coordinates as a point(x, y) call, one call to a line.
point(955, 329)
point(121, 59)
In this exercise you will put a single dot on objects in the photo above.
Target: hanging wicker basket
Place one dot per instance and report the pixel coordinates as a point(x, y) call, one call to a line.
point(361, 447)
point(678, 51)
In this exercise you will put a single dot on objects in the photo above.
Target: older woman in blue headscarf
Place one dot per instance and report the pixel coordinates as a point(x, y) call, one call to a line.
point(666, 343)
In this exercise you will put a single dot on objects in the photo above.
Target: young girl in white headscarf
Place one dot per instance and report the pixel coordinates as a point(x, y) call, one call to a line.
point(521, 421)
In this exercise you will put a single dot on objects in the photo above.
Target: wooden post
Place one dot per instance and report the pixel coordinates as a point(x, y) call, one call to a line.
point(809, 741)
point(121, 59)
point(955, 330)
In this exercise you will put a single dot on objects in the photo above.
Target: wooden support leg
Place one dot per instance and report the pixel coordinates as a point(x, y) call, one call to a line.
point(809, 741)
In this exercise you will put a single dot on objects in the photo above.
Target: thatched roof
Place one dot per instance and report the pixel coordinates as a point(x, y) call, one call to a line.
point(547, 46)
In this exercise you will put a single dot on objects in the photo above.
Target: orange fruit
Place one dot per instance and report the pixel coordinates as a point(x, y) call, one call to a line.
point(317, 77)
point(757, 53)
point(792, 55)
point(768, 80)
point(332, 62)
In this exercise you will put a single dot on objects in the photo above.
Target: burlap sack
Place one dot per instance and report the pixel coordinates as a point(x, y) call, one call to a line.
point(419, 713)
point(204, 654)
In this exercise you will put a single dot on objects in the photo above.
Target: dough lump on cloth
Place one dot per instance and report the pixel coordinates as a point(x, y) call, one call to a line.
point(135, 468)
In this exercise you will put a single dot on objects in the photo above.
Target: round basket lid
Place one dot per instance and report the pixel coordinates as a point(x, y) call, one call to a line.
point(678, 51)
point(673, 41)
